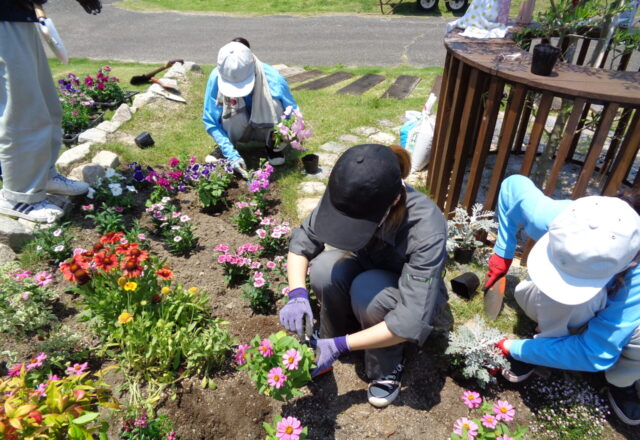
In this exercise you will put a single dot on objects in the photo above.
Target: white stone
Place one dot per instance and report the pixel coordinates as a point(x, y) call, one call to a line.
point(176, 71)
point(87, 173)
point(397, 129)
point(322, 174)
point(32, 225)
point(350, 139)
point(279, 67)
point(142, 99)
point(93, 135)
point(290, 71)
point(190, 66)
point(73, 156)
point(121, 115)
point(133, 109)
point(13, 233)
point(106, 159)
point(334, 147)
point(6, 254)
point(386, 123)
point(311, 188)
point(327, 159)
point(306, 205)
point(365, 131)
point(383, 138)
point(108, 126)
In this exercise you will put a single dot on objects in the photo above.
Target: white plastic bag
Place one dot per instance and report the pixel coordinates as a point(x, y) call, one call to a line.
point(420, 138)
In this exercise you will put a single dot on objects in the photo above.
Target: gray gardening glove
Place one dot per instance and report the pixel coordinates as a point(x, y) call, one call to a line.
point(298, 307)
point(240, 167)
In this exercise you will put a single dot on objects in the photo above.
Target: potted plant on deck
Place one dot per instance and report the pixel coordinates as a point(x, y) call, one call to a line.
point(463, 230)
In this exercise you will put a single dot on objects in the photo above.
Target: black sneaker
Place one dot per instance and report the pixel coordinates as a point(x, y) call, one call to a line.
point(519, 371)
point(215, 156)
point(625, 403)
point(383, 391)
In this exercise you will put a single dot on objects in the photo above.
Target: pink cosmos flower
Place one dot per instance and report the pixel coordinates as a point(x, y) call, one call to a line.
point(276, 377)
point(43, 278)
point(489, 421)
point(289, 428)
point(505, 437)
point(469, 425)
point(240, 356)
point(266, 348)
point(22, 275)
point(471, 399)
point(36, 361)
point(15, 370)
point(261, 233)
point(77, 369)
point(291, 358)
point(259, 282)
point(53, 377)
point(503, 410)
point(42, 388)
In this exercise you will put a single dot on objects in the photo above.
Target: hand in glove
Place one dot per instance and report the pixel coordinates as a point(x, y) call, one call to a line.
point(498, 267)
point(240, 167)
point(292, 313)
point(91, 6)
point(327, 351)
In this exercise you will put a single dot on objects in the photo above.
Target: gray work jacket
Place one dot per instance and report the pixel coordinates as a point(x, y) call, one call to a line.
point(416, 251)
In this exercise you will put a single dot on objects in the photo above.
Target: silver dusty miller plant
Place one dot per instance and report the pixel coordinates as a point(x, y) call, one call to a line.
point(473, 346)
point(462, 228)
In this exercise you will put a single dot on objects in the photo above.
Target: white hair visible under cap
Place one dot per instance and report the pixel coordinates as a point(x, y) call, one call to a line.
point(590, 242)
point(236, 70)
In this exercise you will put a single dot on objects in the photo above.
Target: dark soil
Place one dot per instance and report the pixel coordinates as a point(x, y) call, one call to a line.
point(334, 406)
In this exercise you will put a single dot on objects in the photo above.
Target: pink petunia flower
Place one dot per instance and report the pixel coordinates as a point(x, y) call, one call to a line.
point(174, 162)
point(77, 369)
point(266, 348)
point(469, 425)
point(289, 428)
point(489, 421)
point(503, 410)
point(471, 399)
point(43, 278)
point(276, 377)
point(291, 358)
point(240, 356)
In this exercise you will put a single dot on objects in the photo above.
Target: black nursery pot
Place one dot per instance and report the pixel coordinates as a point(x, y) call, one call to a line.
point(310, 163)
point(144, 140)
point(465, 285)
point(544, 58)
point(463, 255)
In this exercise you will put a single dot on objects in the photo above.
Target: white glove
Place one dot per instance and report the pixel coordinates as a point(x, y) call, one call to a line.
point(240, 167)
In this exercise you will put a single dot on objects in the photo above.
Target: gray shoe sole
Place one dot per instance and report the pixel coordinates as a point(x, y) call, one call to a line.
point(12, 213)
point(619, 412)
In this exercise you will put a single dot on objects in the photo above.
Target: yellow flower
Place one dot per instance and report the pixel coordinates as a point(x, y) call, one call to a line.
point(193, 290)
point(267, 392)
point(125, 318)
point(122, 281)
point(130, 285)
point(143, 303)
point(165, 290)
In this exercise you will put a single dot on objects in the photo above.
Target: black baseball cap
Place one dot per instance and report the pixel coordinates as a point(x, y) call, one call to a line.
point(363, 184)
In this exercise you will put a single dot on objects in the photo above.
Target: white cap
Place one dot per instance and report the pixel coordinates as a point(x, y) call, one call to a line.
point(236, 70)
point(592, 240)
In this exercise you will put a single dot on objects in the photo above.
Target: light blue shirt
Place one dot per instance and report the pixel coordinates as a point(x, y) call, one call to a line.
point(522, 204)
point(212, 112)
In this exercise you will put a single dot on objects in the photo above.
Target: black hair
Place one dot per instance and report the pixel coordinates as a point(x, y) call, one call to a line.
point(242, 40)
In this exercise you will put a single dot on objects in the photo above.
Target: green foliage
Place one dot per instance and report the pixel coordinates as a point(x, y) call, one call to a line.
point(463, 228)
point(24, 305)
point(287, 425)
point(108, 219)
point(248, 217)
point(136, 424)
point(483, 432)
point(212, 190)
point(176, 228)
point(62, 347)
point(257, 292)
point(263, 358)
point(273, 235)
point(103, 87)
point(52, 243)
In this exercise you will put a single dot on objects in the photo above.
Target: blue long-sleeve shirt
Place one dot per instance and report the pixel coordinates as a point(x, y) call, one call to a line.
point(212, 112)
point(598, 348)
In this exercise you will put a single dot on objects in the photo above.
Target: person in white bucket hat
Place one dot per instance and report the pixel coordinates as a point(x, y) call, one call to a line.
point(244, 100)
point(583, 288)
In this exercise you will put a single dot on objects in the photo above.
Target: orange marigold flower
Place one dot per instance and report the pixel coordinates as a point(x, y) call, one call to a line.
point(105, 261)
point(122, 281)
point(165, 273)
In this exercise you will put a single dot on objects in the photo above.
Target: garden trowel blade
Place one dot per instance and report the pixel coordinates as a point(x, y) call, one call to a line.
point(494, 297)
point(307, 330)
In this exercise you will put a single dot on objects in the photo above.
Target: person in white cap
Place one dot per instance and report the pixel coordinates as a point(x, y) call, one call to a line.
point(243, 102)
point(583, 290)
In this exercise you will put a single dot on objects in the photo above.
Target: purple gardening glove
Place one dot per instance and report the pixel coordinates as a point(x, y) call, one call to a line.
point(298, 306)
point(327, 351)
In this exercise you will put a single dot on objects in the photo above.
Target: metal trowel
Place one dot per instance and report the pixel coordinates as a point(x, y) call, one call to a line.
point(494, 297)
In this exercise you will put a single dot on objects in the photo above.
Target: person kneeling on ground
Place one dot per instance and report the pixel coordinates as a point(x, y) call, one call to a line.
point(243, 101)
point(384, 282)
point(583, 271)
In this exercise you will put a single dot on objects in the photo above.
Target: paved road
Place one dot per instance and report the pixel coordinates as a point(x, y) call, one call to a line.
point(325, 40)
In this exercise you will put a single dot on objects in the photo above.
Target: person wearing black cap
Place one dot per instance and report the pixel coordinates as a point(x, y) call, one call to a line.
point(384, 281)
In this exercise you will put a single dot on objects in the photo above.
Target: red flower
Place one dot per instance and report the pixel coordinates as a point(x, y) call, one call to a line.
point(75, 267)
point(111, 237)
point(137, 254)
point(105, 261)
point(125, 247)
point(36, 416)
point(131, 268)
point(165, 273)
point(156, 298)
point(98, 247)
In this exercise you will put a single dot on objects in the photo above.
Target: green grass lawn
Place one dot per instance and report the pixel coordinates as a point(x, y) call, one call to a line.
point(299, 7)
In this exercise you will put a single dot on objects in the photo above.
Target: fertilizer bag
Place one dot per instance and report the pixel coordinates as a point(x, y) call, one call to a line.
point(420, 137)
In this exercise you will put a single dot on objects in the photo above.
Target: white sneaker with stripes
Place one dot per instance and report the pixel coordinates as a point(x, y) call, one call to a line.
point(59, 184)
point(41, 212)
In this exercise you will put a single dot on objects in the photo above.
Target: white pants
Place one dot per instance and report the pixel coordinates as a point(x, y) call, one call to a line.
point(237, 125)
point(30, 114)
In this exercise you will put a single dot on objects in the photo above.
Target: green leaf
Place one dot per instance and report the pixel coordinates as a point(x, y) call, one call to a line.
point(86, 418)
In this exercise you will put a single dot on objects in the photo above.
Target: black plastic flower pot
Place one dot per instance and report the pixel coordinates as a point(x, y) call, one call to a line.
point(544, 58)
point(310, 163)
point(463, 255)
point(144, 140)
point(466, 284)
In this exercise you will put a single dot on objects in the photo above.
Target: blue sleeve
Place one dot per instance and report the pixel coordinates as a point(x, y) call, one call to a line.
point(212, 118)
point(599, 346)
point(522, 205)
point(279, 87)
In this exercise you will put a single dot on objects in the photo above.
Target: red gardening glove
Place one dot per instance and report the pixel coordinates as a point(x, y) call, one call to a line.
point(498, 267)
point(502, 348)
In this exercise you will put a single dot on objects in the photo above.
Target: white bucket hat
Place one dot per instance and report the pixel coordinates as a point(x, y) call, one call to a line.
point(236, 70)
point(587, 244)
